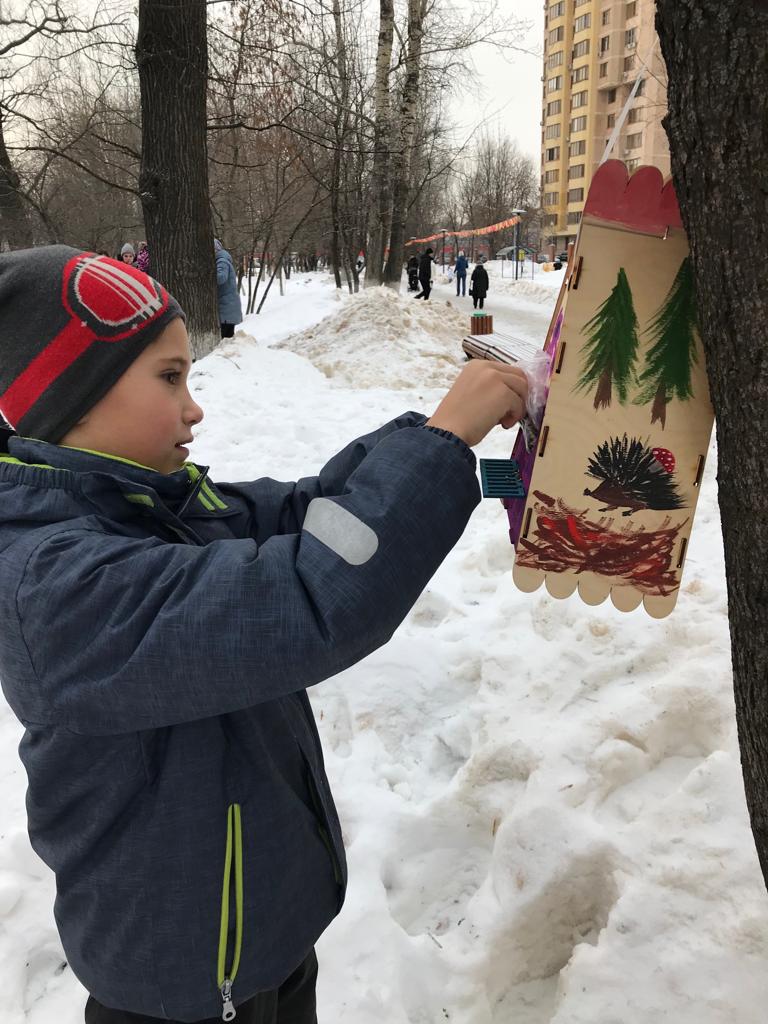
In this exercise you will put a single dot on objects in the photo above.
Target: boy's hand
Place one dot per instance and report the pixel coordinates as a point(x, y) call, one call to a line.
point(485, 394)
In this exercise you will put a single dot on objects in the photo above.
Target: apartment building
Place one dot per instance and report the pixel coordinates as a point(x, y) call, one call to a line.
point(594, 52)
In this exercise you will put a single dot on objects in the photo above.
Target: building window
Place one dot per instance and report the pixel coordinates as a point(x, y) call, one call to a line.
point(574, 218)
point(635, 115)
point(629, 62)
point(604, 70)
point(579, 99)
point(557, 34)
point(555, 83)
point(581, 74)
point(630, 38)
point(552, 131)
point(605, 44)
point(581, 49)
point(577, 171)
point(549, 218)
point(635, 141)
point(606, 20)
point(577, 148)
point(578, 124)
point(632, 165)
point(553, 153)
point(551, 198)
point(555, 60)
point(580, 3)
point(550, 177)
point(554, 107)
point(575, 195)
point(611, 120)
point(611, 96)
point(581, 23)
point(631, 10)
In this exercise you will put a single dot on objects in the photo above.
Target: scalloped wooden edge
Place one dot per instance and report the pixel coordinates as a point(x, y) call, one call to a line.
point(593, 590)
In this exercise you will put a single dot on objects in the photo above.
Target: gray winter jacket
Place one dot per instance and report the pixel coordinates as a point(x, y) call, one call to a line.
point(230, 308)
point(158, 636)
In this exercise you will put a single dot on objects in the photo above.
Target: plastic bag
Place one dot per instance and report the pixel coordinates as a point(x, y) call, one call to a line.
point(537, 371)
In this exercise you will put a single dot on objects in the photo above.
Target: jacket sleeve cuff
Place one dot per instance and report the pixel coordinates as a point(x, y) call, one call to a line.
point(463, 447)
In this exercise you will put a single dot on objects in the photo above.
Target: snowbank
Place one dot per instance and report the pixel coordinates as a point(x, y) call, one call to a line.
point(381, 339)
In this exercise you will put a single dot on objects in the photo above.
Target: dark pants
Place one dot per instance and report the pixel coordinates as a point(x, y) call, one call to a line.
point(227, 330)
point(426, 288)
point(461, 282)
point(478, 300)
point(292, 1003)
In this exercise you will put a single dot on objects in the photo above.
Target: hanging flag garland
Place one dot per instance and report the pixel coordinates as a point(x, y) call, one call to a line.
point(491, 229)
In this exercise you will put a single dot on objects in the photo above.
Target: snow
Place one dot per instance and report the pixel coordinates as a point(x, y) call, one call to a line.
point(542, 801)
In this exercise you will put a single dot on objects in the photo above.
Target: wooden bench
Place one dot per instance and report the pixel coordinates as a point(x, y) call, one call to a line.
point(501, 347)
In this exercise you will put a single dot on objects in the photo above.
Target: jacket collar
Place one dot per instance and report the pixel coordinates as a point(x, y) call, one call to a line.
point(187, 491)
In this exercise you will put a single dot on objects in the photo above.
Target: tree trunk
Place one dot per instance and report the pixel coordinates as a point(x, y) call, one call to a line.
point(15, 228)
point(382, 135)
point(717, 65)
point(172, 58)
point(401, 162)
point(659, 407)
point(603, 392)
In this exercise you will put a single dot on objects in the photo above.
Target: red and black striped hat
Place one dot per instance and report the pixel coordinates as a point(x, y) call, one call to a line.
point(71, 323)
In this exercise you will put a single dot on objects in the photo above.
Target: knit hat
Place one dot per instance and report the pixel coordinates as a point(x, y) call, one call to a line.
point(126, 248)
point(71, 323)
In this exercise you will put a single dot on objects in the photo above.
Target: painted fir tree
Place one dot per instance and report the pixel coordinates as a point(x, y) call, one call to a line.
point(668, 363)
point(611, 348)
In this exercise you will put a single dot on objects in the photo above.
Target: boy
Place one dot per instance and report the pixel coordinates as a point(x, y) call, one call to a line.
point(159, 632)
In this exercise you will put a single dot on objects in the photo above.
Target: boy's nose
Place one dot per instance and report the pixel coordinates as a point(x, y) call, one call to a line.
point(194, 413)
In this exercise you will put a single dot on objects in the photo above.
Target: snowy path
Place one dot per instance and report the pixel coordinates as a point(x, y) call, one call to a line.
point(520, 308)
point(541, 801)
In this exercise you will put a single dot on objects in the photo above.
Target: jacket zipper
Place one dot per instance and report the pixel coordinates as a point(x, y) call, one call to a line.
point(233, 870)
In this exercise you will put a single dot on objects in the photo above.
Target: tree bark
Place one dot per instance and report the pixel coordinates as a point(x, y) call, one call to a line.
point(172, 58)
point(717, 65)
point(401, 160)
point(382, 135)
point(15, 228)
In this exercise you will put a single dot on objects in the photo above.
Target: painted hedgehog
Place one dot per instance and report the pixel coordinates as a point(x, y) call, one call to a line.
point(633, 476)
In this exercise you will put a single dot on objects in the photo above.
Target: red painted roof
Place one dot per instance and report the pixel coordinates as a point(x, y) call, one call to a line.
point(643, 202)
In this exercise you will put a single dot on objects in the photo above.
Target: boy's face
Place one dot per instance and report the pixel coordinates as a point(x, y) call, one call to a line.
point(127, 257)
point(148, 415)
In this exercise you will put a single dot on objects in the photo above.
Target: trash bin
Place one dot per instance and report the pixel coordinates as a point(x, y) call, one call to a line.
point(481, 323)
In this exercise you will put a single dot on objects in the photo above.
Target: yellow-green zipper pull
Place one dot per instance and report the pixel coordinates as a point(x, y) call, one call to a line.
point(233, 867)
point(228, 1012)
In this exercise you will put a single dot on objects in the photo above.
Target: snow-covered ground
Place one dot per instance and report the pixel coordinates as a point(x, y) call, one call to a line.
point(542, 801)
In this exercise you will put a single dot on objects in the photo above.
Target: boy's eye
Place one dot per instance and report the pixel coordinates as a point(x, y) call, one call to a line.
point(172, 376)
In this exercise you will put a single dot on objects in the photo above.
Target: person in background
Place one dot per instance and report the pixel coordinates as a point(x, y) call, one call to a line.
point(127, 254)
point(230, 310)
point(462, 263)
point(413, 273)
point(425, 274)
point(142, 258)
point(479, 288)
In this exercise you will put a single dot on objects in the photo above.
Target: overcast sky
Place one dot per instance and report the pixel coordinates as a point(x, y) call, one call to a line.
point(510, 86)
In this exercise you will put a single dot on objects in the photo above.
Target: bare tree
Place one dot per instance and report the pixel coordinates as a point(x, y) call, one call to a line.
point(172, 58)
point(380, 178)
point(717, 66)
